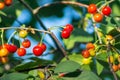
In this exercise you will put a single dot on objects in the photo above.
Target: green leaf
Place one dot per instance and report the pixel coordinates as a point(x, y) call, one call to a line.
point(87, 75)
point(2, 13)
point(75, 57)
point(67, 66)
point(102, 56)
point(78, 35)
point(0, 19)
point(14, 76)
point(85, 67)
point(1, 70)
point(99, 68)
point(118, 73)
point(32, 64)
point(33, 72)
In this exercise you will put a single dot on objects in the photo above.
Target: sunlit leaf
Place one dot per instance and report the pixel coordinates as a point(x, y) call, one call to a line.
point(99, 68)
point(67, 66)
point(14, 76)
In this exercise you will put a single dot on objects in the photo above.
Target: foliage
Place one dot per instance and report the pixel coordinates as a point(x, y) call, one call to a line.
point(68, 61)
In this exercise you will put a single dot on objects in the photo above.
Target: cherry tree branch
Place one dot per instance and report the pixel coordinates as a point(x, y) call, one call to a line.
point(59, 2)
point(110, 64)
point(30, 29)
point(59, 44)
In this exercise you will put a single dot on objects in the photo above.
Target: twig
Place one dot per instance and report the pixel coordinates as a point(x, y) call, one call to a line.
point(31, 10)
point(110, 64)
point(95, 27)
point(58, 43)
point(61, 2)
point(105, 4)
point(5, 28)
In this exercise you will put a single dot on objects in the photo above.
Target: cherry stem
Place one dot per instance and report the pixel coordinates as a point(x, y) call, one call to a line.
point(2, 36)
point(11, 36)
point(108, 2)
point(96, 30)
point(19, 40)
point(5, 28)
point(42, 38)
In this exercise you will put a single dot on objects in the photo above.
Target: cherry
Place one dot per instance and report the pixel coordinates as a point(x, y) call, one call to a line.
point(86, 60)
point(92, 8)
point(8, 2)
point(65, 33)
point(37, 51)
point(85, 53)
point(11, 47)
point(23, 33)
point(2, 5)
point(3, 52)
point(98, 17)
point(90, 46)
point(106, 10)
point(4, 59)
point(43, 46)
point(69, 27)
point(119, 66)
point(115, 68)
point(21, 51)
point(26, 43)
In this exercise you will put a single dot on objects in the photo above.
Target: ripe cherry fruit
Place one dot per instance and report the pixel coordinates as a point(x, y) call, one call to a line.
point(2, 5)
point(37, 51)
point(98, 17)
point(26, 43)
point(3, 52)
point(90, 46)
point(92, 8)
point(115, 68)
point(106, 10)
point(23, 33)
point(69, 27)
point(65, 33)
point(8, 2)
point(4, 59)
point(11, 47)
point(85, 53)
point(21, 51)
point(43, 46)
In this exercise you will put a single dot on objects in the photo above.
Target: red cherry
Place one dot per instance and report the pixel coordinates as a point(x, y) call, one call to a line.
point(21, 51)
point(8, 2)
point(26, 43)
point(43, 46)
point(85, 53)
point(65, 33)
point(69, 27)
point(11, 48)
point(37, 51)
point(106, 10)
point(92, 8)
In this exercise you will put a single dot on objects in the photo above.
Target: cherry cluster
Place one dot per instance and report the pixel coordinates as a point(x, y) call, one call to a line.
point(66, 32)
point(37, 50)
point(5, 3)
point(88, 53)
point(98, 15)
point(6, 49)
